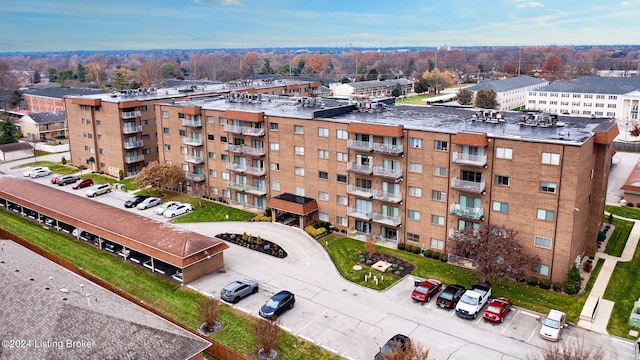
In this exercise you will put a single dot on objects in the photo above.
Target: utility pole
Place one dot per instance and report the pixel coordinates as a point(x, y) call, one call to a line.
point(519, 59)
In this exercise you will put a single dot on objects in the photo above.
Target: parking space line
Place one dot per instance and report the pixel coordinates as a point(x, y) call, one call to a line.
point(530, 314)
point(330, 349)
point(307, 338)
point(623, 342)
point(309, 323)
point(532, 333)
point(478, 320)
point(243, 309)
point(510, 322)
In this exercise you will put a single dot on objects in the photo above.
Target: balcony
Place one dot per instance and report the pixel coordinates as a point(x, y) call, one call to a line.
point(133, 144)
point(359, 191)
point(131, 114)
point(236, 149)
point(259, 191)
point(255, 171)
point(366, 146)
point(246, 205)
point(236, 186)
point(469, 159)
point(387, 172)
point(388, 149)
point(192, 141)
point(195, 177)
point(131, 129)
point(468, 186)
point(387, 220)
point(193, 159)
point(360, 169)
point(133, 159)
point(236, 167)
point(191, 123)
point(468, 212)
point(244, 130)
point(241, 149)
point(387, 196)
point(359, 213)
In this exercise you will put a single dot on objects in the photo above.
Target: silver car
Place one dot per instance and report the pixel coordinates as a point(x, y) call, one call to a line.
point(236, 290)
point(148, 202)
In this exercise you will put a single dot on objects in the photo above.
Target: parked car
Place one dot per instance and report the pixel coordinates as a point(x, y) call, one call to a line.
point(552, 325)
point(449, 297)
point(176, 210)
point(162, 208)
point(55, 177)
point(426, 290)
point(98, 189)
point(82, 183)
point(40, 173)
point(28, 172)
point(239, 289)
point(277, 304)
point(148, 202)
point(497, 310)
point(66, 179)
point(397, 343)
point(473, 300)
point(137, 199)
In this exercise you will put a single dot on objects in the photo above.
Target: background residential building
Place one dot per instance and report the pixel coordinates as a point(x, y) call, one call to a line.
point(44, 126)
point(371, 88)
point(511, 93)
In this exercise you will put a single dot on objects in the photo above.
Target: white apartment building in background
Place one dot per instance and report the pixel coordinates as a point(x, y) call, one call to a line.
point(511, 93)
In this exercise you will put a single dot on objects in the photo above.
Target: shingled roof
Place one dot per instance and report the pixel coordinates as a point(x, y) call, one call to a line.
point(47, 117)
point(595, 85)
point(507, 84)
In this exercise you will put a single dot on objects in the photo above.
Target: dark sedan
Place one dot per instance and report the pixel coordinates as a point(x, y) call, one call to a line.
point(277, 304)
point(397, 344)
point(135, 201)
point(450, 296)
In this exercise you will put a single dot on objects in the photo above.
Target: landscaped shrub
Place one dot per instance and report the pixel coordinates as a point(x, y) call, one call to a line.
point(401, 246)
point(408, 248)
point(63, 160)
point(311, 230)
point(261, 217)
point(428, 253)
point(532, 280)
point(545, 284)
point(369, 262)
point(415, 250)
point(436, 255)
point(557, 286)
point(587, 267)
point(444, 257)
point(573, 283)
point(267, 212)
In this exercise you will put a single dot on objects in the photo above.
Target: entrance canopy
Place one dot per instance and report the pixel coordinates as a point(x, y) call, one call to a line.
point(294, 204)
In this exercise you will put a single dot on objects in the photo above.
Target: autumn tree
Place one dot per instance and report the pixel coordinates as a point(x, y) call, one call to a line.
point(495, 251)
point(552, 68)
point(412, 351)
point(486, 99)
point(158, 176)
point(250, 64)
point(438, 81)
point(267, 334)
point(370, 246)
point(95, 72)
point(465, 97)
point(209, 313)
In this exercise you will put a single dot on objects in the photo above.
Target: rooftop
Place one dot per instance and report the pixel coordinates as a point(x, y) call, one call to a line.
point(507, 84)
point(595, 85)
point(47, 117)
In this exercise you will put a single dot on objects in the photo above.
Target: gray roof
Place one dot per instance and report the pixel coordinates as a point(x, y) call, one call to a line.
point(59, 92)
point(15, 147)
point(47, 117)
point(45, 303)
point(507, 84)
point(377, 83)
point(595, 85)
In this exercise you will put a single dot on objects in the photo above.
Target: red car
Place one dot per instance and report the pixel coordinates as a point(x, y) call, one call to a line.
point(497, 310)
point(426, 290)
point(82, 183)
point(55, 178)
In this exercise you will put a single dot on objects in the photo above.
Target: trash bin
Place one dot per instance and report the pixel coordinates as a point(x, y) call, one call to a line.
point(118, 186)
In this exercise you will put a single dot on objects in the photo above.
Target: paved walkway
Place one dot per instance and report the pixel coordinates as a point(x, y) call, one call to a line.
point(597, 311)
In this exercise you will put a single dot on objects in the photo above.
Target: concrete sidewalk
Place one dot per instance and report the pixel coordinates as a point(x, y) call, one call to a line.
point(597, 311)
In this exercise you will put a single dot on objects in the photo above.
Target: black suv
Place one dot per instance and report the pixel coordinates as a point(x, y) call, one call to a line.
point(135, 201)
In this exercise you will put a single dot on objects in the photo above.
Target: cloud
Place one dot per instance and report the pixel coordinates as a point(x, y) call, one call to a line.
point(220, 2)
point(530, 4)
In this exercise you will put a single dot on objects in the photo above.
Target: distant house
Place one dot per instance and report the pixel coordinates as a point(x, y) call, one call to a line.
point(372, 88)
point(15, 151)
point(44, 126)
point(511, 92)
point(48, 98)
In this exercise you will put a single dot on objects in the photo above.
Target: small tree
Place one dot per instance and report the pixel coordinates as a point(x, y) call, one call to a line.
point(397, 90)
point(573, 283)
point(465, 97)
point(209, 312)
point(159, 176)
point(370, 246)
point(569, 350)
point(486, 99)
point(267, 334)
point(412, 351)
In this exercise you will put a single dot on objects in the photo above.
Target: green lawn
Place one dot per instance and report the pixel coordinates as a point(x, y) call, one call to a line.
point(56, 167)
point(619, 237)
point(175, 301)
point(413, 100)
point(624, 290)
point(624, 211)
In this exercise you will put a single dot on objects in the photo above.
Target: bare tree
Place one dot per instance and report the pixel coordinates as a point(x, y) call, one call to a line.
point(209, 313)
point(159, 176)
point(267, 335)
point(569, 350)
point(412, 351)
point(370, 246)
point(496, 252)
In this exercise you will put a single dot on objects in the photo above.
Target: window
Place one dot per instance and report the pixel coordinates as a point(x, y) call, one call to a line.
point(415, 167)
point(274, 146)
point(341, 134)
point(436, 244)
point(324, 196)
point(145, 136)
point(542, 269)
point(341, 200)
point(341, 178)
point(167, 147)
point(438, 195)
point(226, 193)
point(213, 173)
point(145, 122)
point(416, 143)
point(225, 175)
point(340, 156)
point(413, 215)
point(298, 170)
point(210, 119)
point(549, 187)
point(298, 150)
point(550, 158)
point(183, 132)
point(210, 137)
point(500, 207)
point(102, 165)
point(437, 220)
point(222, 120)
point(542, 242)
point(323, 175)
point(503, 180)
point(101, 151)
point(613, 97)
point(185, 167)
point(323, 154)
point(414, 191)
point(413, 237)
point(165, 130)
point(98, 122)
point(611, 106)
point(342, 221)
point(546, 215)
point(299, 191)
point(441, 145)
point(323, 132)
point(214, 190)
point(165, 114)
point(273, 126)
point(298, 129)
point(223, 139)
point(439, 171)
point(224, 157)
point(146, 151)
point(587, 104)
point(504, 153)
point(275, 186)
point(99, 136)
point(324, 216)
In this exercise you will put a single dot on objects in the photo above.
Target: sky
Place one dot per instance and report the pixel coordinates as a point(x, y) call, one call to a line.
point(61, 25)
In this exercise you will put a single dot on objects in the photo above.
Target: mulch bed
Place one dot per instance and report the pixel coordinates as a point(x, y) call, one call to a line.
point(253, 243)
point(403, 269)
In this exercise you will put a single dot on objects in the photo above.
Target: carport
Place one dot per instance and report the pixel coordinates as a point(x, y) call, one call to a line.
point(304, 208)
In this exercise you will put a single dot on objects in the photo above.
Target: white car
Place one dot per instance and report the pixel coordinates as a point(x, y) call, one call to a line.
point(552, 325)
point(29, 172)
point(148, 202)
point(160, 210)
point(40, 172)
point(177, 210)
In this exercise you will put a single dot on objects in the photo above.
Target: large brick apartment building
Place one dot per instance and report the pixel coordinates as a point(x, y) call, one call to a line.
point(399, 173)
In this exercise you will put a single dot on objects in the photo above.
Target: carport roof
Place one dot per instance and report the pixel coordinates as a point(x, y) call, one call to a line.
point(160, 240)
point(294, 204)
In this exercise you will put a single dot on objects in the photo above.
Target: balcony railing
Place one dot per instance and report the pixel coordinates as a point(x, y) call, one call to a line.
point(237, 186)
point(388, 149)
point(387, 196)
point(360, 169)
point(359, 213)
point(260, 191)
point(245, 204)
point(133, 144)
point(387, 172)
point(192, 141)
point(387, 220)
point(360, 145)
point(244, 130)
point(195, 177)
point(236, 149)
point(131, 114)
point(241, 149)
point(236, 167)
point(133, 158)
point(469, 186)
point(359, 191)
point(193, 159)
point(469, 159)
point(192, 123)
point(131, 129)
point(468, 212)
point(256, 171)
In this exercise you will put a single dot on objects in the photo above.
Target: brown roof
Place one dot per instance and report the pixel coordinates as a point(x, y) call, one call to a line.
point(295, 204)
point(15, 146)
point(380, 130)
point(606, 136)
point(245, 116)
point(632, 183)
point(160, 240)
point(470, 139)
